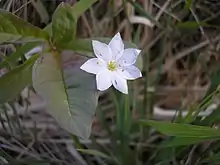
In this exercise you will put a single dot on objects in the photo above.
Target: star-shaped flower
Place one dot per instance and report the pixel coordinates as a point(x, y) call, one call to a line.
point(114, 65)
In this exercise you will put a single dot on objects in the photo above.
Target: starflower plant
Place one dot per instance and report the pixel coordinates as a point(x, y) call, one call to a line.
point(113, 64)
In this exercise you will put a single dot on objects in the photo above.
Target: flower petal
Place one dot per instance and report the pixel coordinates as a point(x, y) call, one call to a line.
point(117, 46)
point(33, 51)
point(129, 57)
point(102, 50)
point(130, 72)
point(93, 66)
point(119, 83)
point(103, 80)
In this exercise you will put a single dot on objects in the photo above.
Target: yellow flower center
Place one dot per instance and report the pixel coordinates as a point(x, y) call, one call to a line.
point(112, 66)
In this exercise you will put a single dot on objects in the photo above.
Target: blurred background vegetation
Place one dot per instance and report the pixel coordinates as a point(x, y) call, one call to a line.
point(180, 43)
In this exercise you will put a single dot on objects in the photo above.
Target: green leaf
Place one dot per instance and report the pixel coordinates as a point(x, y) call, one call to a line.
point(14, 81)
point(85, 47)
point(95, 153)
point(80, 45)
point(188, 4)
point(63, 24)
point(13, 57)
point(183, 141)
point(48, 29)
point(69, 92)
point(191, 25)
point(13, 29)
point(80, 7)
point(183, 130)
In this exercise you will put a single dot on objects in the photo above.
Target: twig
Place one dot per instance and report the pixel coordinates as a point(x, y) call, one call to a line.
point(190, 156)
point(165, 11)
point(162, 9)
point(140, 20)
point(187, 52)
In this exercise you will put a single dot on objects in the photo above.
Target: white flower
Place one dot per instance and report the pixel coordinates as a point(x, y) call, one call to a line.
point(114, 65)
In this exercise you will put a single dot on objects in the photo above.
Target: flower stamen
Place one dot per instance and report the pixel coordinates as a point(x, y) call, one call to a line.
point(112, 66)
